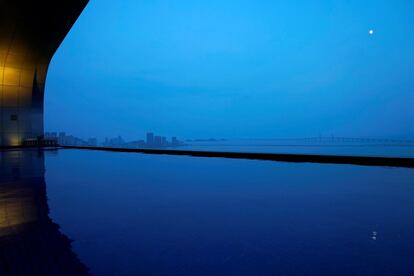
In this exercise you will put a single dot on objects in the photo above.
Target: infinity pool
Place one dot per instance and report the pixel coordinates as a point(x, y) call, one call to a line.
point(136, 214)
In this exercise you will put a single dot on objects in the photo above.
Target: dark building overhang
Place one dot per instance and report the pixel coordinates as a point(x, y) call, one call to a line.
point(30, 33)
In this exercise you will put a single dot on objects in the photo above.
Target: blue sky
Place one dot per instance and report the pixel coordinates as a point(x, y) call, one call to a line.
point(235, 69)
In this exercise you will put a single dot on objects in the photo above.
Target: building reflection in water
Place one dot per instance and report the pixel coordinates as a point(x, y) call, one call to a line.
point(30, 242)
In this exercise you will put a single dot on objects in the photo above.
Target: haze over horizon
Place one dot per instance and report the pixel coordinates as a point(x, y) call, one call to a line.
point(235, 69)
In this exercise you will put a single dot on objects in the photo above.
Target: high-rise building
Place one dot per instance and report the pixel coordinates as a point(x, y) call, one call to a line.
point(164, 141)
point(62, 138)
point(150, 138)
point(174, 141)
point(157, 141)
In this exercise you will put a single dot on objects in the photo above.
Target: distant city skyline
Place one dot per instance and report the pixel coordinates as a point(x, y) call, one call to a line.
point(151, 140)
point(222, 138)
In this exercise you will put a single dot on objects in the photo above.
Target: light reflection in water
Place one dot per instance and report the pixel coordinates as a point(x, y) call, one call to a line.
point(30, 243)
point(21, 178)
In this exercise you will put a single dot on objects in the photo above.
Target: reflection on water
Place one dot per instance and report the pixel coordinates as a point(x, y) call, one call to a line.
point(30, 243)
point(137, 214)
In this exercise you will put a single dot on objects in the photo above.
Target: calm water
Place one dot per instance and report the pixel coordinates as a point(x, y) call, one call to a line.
point(135, 214)
point(298, 147)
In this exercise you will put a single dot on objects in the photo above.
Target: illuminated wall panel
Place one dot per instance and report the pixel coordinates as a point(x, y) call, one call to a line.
point(30, 33)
